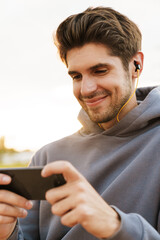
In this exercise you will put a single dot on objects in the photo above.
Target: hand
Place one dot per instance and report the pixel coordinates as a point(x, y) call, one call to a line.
point(78, 202)
point(12, 206)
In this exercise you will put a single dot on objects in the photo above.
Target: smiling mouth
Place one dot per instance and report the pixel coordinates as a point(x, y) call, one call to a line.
point(94, 101)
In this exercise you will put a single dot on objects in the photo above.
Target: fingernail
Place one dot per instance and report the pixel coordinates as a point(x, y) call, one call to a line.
point(29, 204)
point(6, 179)
point(24, 212)
point(43, 172)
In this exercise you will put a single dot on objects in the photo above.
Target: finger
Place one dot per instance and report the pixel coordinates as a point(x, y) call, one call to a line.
point(63, 206)
point(5, 220)
point(56, 194)
point(70, 219)
point(14, 199)
point(5, 179)
point(11, 211)
point(69, 172)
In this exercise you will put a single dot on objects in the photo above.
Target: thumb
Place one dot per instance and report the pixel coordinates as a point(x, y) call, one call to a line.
point(69, 172)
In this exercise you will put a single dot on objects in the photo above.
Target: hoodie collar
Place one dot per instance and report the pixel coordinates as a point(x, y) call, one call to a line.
point(148, 110)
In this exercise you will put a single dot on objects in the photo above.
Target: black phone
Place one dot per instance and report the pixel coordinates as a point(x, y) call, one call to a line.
point(29, 183)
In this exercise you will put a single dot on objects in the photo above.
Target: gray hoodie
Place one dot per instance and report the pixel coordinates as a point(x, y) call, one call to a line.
point(122, 164)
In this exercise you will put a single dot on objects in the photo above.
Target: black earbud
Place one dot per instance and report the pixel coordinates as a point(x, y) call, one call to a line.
point(138, 67)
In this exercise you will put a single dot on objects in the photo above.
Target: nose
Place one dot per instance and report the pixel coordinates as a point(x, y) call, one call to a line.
point(88, 86)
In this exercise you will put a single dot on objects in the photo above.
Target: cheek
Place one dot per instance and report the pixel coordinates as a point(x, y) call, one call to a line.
point(109, 81)
point(76, 90)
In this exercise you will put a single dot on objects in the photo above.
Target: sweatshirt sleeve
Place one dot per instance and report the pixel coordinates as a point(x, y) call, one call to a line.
point(17, 233)
point(134, 227)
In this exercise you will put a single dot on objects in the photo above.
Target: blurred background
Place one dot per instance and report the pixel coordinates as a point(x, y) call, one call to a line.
point(36, 101)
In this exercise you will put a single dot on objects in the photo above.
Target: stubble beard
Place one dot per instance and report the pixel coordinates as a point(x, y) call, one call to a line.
point(98, 115)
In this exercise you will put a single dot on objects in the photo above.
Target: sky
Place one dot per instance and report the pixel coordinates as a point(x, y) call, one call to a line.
point(37, 105)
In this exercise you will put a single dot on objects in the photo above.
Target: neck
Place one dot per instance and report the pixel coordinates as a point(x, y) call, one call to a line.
point(127, 109)
point(107, 125)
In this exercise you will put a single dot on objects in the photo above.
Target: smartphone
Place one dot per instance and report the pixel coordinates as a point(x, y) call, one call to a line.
point(29, 183)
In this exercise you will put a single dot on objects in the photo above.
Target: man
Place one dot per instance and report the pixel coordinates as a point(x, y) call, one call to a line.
point(111, 165)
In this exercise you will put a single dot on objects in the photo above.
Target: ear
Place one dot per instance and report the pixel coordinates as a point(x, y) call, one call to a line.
point(138, 58)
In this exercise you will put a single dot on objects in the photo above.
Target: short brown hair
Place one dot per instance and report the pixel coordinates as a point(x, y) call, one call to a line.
point(99, 25)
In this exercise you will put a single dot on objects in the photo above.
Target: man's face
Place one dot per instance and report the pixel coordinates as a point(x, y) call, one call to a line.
point(100, 83)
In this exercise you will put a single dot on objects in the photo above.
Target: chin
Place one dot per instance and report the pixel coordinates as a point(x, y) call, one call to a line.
point(101, 117)
point(96, 118)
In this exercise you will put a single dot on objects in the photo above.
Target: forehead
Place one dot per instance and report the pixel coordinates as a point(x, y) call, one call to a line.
point(89, 55)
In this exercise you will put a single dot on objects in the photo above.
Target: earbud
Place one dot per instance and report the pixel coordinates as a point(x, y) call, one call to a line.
point(138, 67)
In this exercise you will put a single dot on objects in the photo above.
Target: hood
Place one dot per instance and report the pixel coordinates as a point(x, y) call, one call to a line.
point(145, 114)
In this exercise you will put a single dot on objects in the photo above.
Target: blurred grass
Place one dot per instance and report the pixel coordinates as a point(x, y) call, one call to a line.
point(15, 165)
point(11, 158)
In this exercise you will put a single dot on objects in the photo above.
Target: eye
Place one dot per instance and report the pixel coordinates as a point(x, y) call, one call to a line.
point(100, 71)
point(76, 77)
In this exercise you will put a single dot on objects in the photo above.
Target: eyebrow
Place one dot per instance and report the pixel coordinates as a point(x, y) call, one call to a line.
point(72, 72)
point(91, 68)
